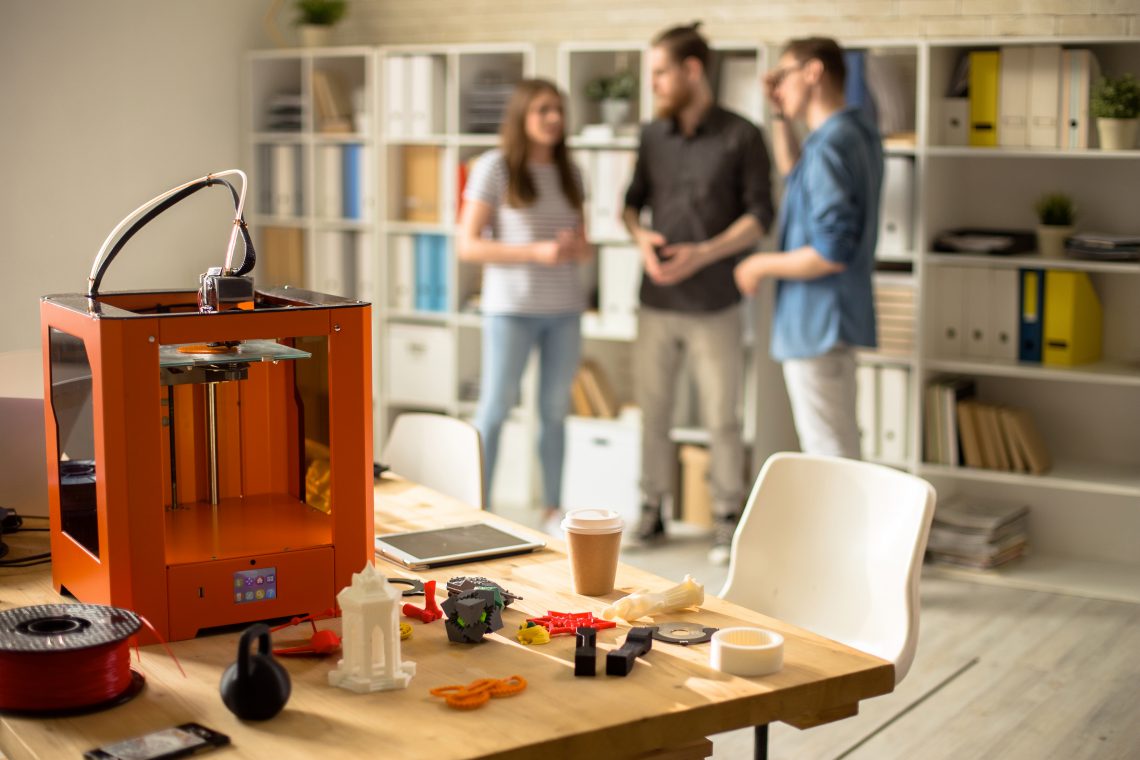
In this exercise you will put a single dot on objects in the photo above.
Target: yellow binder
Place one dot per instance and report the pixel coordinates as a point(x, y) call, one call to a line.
point(984, 69)
point(1073, 320)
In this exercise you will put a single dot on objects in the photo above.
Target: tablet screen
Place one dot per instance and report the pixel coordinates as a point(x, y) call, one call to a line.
point(475, 539)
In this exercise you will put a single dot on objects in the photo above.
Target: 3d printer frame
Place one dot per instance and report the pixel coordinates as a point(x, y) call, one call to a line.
point(176, 515)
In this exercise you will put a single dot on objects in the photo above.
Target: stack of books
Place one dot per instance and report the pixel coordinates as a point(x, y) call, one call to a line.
point(895, 314)
point(591, 394)
point(961, 431)
point(1102, 246)
point(978, 534)
point(485, 102)
point(333, 103)
point(284, 112)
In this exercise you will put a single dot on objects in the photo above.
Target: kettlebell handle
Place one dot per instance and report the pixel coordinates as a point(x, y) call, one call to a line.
point(261, 631)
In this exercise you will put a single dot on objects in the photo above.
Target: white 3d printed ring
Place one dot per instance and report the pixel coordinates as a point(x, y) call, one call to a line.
point(747, 651)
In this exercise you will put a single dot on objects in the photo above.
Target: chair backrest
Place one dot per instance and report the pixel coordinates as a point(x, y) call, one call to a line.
point(835, 546)
point(440, 452)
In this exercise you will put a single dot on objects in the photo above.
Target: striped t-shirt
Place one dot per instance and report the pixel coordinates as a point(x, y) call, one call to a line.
point(527, 288)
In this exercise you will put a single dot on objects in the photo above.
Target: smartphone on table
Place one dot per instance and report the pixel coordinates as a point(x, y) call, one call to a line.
point(176, 741)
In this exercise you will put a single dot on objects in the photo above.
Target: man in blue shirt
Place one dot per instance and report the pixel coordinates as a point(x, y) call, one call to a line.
point(828, 228)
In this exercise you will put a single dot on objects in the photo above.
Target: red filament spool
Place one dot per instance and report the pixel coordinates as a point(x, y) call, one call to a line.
point(66, 659)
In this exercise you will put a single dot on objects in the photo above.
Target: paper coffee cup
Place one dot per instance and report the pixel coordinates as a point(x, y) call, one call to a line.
point(594, 540)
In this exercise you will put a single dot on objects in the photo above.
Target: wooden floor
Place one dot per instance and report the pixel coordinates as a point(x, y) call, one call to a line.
point(1000, 673)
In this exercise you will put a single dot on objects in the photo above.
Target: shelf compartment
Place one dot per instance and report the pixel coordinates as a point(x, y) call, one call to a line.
point(1031, 262)
point(1114, 581)
point(1105, 372)
point(1086, 477)
point(953, 151)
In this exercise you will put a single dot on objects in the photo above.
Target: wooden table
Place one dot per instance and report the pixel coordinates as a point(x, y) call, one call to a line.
point(671, 699)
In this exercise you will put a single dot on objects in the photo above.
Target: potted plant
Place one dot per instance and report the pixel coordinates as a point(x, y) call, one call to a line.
point(1056, 216)
point(1116, 106)
point(614, 93)
point(315, 20)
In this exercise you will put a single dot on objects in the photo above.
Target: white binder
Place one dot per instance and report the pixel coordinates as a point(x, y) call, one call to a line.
point(365, 261)
point(425, 101)
point(285, 180)
point(948, 338)
point(955, 121)
point(1044, 95)
point(896, 209)
point(867, 409)
point(611, 173)
point(619, 281)
point(1013, 97)
point(1004, 317)
point(403, 273)
point(395, 96)
point(976, 305)
point(893, 413)
point(329, 182)
point(1078, 70)
point(333, 268)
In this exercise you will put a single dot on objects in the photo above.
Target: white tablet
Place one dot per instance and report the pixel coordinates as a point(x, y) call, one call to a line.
point(448, 546)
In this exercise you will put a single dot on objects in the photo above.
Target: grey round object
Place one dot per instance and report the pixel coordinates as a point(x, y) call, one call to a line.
point(64, 627)
point(683, 633)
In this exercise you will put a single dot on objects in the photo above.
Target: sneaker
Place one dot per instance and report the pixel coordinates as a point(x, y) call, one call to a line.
point(723, 530)
point(650, 528)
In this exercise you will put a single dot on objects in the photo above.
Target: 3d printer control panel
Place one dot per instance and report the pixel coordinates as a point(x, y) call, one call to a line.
point(255, 585)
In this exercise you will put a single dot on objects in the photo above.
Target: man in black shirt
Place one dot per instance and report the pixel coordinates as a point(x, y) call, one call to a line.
point(703, 172)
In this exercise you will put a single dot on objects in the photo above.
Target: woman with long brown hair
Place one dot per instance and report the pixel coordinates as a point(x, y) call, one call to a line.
point(528, 195)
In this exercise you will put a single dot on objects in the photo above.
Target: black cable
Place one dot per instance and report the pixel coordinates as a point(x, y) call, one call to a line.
point(186, 192)
point(5, 566)
point(12, 561)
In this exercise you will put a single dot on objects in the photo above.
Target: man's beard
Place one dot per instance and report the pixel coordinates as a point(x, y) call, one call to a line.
point(672, 108)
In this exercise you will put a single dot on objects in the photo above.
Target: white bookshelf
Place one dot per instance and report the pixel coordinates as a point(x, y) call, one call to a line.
point(1085, 512)
point(451, 330)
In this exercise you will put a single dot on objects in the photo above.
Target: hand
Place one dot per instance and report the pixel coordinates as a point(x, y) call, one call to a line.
point(548, 252)
point(681, 261)
point(748, 275)
point(771, 81)
point(648, 242)
point(575, 246)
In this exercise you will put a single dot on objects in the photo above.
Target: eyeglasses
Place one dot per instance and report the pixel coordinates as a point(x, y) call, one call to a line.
point(776, 76)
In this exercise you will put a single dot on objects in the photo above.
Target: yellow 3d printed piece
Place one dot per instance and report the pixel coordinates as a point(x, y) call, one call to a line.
point(688, 593)
point(529, 633)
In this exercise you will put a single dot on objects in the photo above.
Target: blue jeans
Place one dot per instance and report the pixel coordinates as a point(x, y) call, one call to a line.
point(507, 343)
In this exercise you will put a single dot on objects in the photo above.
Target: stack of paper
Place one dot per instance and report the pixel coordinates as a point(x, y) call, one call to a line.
point(979, 534)
point(1103, 246)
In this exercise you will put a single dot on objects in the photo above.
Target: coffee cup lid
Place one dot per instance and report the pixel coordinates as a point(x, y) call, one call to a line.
point(593, 521)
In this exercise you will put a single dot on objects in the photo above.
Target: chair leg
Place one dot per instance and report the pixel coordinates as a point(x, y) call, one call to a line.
point(762, 742)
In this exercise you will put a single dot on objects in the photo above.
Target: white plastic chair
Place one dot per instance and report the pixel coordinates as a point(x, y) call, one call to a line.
point(834, 546)
point(440, 452)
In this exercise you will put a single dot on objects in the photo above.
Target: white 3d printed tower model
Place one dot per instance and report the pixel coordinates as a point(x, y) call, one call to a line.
point(370, 606)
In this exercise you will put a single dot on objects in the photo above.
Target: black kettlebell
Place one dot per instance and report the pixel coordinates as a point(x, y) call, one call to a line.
point(255, 687)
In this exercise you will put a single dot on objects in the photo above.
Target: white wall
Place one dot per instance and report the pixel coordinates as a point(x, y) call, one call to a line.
point(542, 21)
point(104, 105)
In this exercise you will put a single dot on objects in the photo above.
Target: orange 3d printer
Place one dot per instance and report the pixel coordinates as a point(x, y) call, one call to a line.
point(210, 452)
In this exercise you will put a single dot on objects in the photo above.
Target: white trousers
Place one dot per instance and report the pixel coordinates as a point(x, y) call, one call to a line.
point(822, 392)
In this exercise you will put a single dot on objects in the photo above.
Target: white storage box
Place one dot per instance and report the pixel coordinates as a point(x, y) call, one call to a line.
point(420, 365)
point(603, 466)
